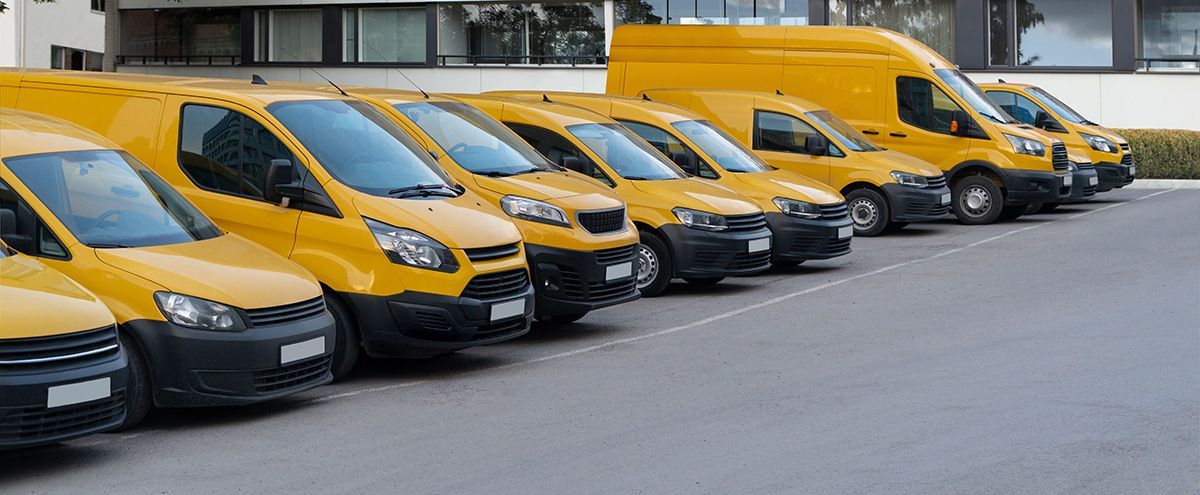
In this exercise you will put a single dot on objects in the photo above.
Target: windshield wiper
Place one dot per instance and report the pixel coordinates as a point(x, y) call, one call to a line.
point(107, 245)
point(507, 173)
point(635, 177)
point(424, 189)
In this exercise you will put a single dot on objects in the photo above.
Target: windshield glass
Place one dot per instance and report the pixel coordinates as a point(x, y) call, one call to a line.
point(625, 153)
point(973, 95)
point(842, 131)
point(475, 141)
point(359, 147)
point(108, 199)
point(721, 147)
point(1057, 106)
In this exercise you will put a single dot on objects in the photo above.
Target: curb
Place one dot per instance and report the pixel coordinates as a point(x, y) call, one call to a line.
point(1163, 184)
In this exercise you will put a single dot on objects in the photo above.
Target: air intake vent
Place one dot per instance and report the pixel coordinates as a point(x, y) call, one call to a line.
point(492, 253)
point(603, 222)
point(74, 349)
point(287, 313)
point(746, 223)
point(1058, 154)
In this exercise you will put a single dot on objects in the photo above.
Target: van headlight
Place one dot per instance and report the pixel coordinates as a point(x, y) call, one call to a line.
point(700, 220)
point(1099, 144)
point(795, 208)
point(534, 210)
point(412, 248)
point(1026, 146)
point(193, 312)
point(910, 180)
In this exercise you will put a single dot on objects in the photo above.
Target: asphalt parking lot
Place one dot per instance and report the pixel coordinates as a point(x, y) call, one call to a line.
point(1058, 353)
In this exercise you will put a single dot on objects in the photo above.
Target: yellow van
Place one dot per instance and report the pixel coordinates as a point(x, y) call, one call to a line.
point(205, 317)
point(411, 263)
point(62, 372)
point(883, 188)
point(578, 238)
point(689, 228)
point(887, 85)
point(1108, 151)
point(809, 220)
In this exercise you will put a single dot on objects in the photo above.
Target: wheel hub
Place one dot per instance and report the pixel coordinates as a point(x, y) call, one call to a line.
point(647, 266)
point(975, 200)
point(864, 213)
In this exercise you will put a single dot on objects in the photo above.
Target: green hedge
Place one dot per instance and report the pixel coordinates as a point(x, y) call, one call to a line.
point(1165, 153)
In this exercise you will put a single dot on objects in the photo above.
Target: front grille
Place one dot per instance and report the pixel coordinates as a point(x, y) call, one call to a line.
point(277, 315)
point(495, 329)
point(596, 290)
point(602, 222)
point(31, 424)
point(746, 223)
point(936, 181)
point(1089, 190)
point(433, 321)
point(923, 208)
point(819, 245)
point(749, 261)
point(1127, 159)
point(497, 285)
point(726, 260)
point(1085, 166)
point(1124, 146)
point(493, 252)
point(835, 211)
point(73, 349)
point(615, 255)
point(292, 375)
point(1058, 155)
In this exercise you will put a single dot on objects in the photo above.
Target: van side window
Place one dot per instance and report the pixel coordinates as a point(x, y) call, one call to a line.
point(1020, 107)
point(666, 143)
point(924, 105)
point(31, 236)
point(225, 151)
point(556, 148)
point(784, 133)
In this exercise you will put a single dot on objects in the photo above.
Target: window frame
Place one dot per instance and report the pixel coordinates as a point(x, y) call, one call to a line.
point(297, 164)
point(1012, 38)
point(701, 163)
point(934, 86)
point(577, 151)
point(756, 139)
point(40, 227)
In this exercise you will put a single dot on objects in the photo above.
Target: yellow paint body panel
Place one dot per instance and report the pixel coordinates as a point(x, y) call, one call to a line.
point(38, 301)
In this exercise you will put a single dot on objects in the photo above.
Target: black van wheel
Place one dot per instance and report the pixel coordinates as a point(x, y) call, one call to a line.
point(562, 319)
point(977, 200)
point(347, 347)
point(869, 210)
point(138, 392)
point(654, 265)
point(703, 281)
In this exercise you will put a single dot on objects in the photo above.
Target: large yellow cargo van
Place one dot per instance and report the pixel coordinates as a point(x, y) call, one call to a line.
point(690, 228)
point(205, 317)
point(578, 238)
point(887, 85)
point(412, 263)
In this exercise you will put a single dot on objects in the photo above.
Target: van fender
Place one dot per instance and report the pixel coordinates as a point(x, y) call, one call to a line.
point(970, 167)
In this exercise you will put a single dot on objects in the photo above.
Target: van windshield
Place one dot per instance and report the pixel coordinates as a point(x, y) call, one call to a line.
point(1058, 106)
point(625, 153)
point(107, 199)
point(721, 147)
point(842, 131)
point(361, 148)
point(475, 141)
point(973, 95)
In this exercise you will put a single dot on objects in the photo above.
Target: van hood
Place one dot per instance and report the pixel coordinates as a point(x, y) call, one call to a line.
point(786, 184)
point(465, 222)
point(1028, 132)
point(1078, 156)
point(228, 269)
point(698, 194)
point(567, 190)
point(39, 301)
point(1104, 132)
point(901, 162)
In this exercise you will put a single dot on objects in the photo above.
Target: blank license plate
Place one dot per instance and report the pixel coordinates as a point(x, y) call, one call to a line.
point(508, 309)
point(1093, 181)
point(757, 245)
point(844, 232)
point(75, 393)
point(1132, 170)
point(946, 199)
point(1067, 180)
point(618, 272)
point(301, 350)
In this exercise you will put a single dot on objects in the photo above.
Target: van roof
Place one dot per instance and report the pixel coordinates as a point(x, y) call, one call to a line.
point(561, 114)
point(395, 95)
point(794, 103)
point(238, 90)
point(28, 133)
point(636, 106)
point(997, 85)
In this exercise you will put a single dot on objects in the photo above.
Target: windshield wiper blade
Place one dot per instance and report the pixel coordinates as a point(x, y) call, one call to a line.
point(107, 245)
point(428, 192)
point(418, 187)
point(635, 177)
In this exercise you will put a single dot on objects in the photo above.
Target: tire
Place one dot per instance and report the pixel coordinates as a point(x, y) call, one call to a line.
point(562, 319)
point(703, 281)
point(977, 200)
point(655, 267)
point(139, 392)
point(348, 345)
point(1048, 207)
point(1013, 212)
point(869, 210)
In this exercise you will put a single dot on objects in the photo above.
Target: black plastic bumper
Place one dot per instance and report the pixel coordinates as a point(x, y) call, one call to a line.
point(701, 254)
point(1083, 186)
point(191, 367)
point(1114, 175)
point(570, 282)
point(418, 324)
point(911, 204)
point(1031, 186)
point(798, 239)
point(25, 421)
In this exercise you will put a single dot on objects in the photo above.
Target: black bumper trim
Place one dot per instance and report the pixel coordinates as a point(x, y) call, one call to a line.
point(1033, 186)
point(1082, 190)
point(25, 421)
point(1113, 175)
point(568, 281)
point(798, 239)
point(911, 204)
point(701, 254)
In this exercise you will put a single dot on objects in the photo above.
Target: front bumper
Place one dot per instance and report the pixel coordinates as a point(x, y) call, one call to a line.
point(26, 421)
point(1114, 175)
point(1033, 186)
point(571, 282)
point(1083, 186)
point(419, 324)
point(912, 204)
point(701, 254)
point(798, 239)
point(191, 367)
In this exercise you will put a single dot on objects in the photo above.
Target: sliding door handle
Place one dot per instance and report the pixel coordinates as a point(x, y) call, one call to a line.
point(872, 132)
point(897, 134)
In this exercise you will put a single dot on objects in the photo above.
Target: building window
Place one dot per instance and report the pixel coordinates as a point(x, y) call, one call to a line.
point(164, 33)
point(1073, 33)
point(98, 6)
point(1171, 34)
point(521, 33)
point(287, 35)
point(385, 34)
point(718, 12)
point(929, 21)
point(62, 57)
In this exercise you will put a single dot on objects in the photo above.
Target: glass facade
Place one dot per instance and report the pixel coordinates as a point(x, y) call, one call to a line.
point(716, 12)
point(1171, 33)
point(384, 34)
point(929, 21)
point(1074, 33)
point(521, 33)
point(288, 35)
point(181, 32)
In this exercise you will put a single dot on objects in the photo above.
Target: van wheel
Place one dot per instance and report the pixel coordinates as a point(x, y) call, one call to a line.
point(562, 319)
point(348, 345)
point(977, 200)
point(138, 392)
point(654, 265)
point(704, 281)
point(869, 210)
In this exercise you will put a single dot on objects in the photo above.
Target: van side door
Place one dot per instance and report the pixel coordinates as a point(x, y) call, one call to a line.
point(918, 121)
point(781, 140)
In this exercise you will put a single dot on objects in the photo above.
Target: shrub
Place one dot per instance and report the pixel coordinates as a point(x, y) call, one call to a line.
point(1165, 153)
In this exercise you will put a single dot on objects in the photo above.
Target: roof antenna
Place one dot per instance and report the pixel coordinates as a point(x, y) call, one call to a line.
point(778, 92)
point(257, 79)
point(1001, 81)
point(322, 76)
point(646, 97)
point(398, 71)
point(546, 98)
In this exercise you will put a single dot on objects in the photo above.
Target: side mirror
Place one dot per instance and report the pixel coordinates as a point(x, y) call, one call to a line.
point(280, 174)
point(683, 161)
point(960, 124)
point(8, 232)
point(1045, 122)
point(816, 145)
point(571, 162)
